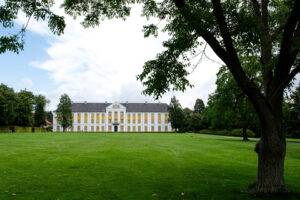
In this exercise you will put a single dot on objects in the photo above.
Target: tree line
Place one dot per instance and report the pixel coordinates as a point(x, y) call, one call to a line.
point(22, 108)
point(229, 109)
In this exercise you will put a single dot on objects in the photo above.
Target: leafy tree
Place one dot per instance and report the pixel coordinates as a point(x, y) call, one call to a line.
point(199, 106)
point(49, 116)
point(229, 108)
point(187, 120)
point(267, 30)
point(196, 123)
point(295, 108)
point(39, 111)
point(176, 114)
point(7, 105)
point(37, 9)
point(64, 112)
point(24, 109)
point(292, 114)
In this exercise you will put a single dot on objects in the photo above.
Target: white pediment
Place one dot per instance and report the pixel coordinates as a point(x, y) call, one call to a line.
point(115, 106)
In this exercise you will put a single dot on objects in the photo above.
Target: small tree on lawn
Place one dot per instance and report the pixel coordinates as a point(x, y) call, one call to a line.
point(176, 114)
point(199, 106)
point(64, 112)
point(39, 111)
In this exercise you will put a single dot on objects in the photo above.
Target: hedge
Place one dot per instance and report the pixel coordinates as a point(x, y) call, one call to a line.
point(234, 132)
point(20, 129)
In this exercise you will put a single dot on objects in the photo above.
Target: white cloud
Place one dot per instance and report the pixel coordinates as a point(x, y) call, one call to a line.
point(27, 83)
point(100, 64)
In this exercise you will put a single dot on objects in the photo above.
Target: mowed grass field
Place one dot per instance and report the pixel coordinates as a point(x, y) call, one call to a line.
point(132, 166)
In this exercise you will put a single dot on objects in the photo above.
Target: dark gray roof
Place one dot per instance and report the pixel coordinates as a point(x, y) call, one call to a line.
point(130, 107)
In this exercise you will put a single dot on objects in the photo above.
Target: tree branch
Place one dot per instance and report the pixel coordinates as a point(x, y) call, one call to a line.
point(228, 55)
point(287, 80)
point(285, 58)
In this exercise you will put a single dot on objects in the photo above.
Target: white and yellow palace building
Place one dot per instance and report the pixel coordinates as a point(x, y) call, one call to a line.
point(118, 117)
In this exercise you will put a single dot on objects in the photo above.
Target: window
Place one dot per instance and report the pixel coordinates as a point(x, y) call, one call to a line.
point(98, 118)
point(128, 118)
point(79, 118)
point(78, 128)
point(128, 128)
point(116, 117)
point(159, 128)
point(85, 128)
point(146, 118)
point(93, 118)
point(159, 118)
point(103, 128)
point(133, 118)
point(166, 128)
point(133, 128)
point(109, 117)
point(166, 118)
point(139, 118)
point(85, 118)
point(122, 128)
point(122, 117)
point(152, 118)
point(103, 118)
point(92, 128)
point(146, 128)
point(139, 129)
point(152, 128)
point(97, 128)
point(109, 128)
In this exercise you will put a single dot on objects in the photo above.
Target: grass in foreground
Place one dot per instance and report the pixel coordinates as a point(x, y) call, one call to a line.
point(131, 166)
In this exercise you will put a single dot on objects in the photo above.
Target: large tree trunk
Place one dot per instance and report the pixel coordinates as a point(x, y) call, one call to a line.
point(271, 155)
point(271, 151)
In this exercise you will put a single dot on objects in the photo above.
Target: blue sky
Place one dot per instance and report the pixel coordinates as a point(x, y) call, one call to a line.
point(96, 65)
point(16, 69)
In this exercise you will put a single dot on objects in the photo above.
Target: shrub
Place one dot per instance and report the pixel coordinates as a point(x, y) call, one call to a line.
point(234, 132)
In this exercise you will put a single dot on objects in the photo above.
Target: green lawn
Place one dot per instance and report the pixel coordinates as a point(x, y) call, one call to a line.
point(131, 166)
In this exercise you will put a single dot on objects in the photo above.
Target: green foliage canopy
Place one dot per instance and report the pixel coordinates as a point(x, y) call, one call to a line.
point(64, 112)
point(37, 9)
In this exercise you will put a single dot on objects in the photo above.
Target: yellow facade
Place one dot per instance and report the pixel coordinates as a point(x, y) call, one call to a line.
point(98, 118)
point(103, 118)
point(93, 118)
point(109, 117)
point(85, 118)
point(139, 118)
point(166, 118)
point(122, 117)
point(133, 118)
point(159, 118)
point(128, 118)
point(116, 117)
point(78, 118)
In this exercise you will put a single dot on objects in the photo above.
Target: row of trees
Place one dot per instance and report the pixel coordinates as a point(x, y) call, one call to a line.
point(185, 120)
point(228, 108)
point(21, 108)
